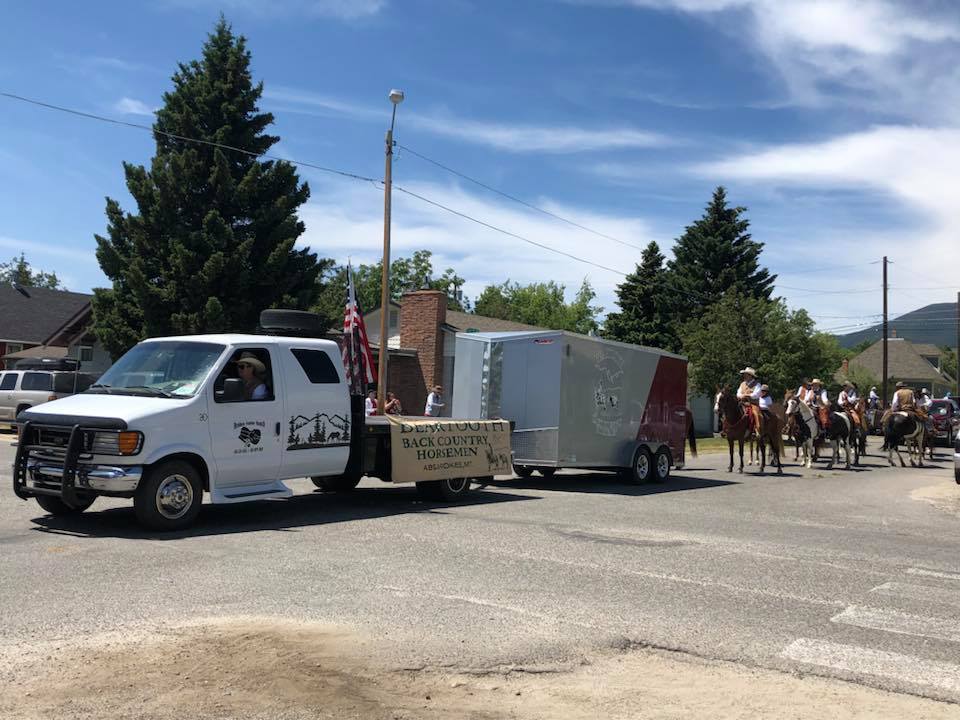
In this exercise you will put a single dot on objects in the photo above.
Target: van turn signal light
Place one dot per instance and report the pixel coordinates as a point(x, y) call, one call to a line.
point(128, 443)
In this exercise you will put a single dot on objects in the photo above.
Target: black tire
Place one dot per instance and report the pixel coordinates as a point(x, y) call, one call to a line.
point(444, 489)
point(956, 475)
point(20, 409)
point(169, 496)
point(547, 472)
point(523, 471)
point(661, 465)
point(337, 483)
point(641, 471)
point(58, 508)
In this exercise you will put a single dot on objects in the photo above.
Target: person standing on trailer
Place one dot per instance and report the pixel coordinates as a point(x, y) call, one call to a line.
point(370, 404)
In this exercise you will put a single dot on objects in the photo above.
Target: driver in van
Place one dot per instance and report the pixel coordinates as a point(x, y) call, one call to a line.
point(252, 371)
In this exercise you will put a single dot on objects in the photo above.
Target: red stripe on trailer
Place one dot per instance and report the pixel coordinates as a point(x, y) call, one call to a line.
point(665, 416)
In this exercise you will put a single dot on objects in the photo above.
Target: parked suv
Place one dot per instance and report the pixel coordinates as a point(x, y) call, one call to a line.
point(25, 388)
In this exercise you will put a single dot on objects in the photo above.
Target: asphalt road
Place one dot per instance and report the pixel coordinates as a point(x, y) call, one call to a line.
point(840, 573)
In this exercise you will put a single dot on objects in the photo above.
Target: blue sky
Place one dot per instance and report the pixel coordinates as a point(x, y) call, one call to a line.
point(833, 122)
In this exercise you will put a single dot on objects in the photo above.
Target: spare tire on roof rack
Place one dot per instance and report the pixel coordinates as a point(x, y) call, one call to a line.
point(291, 323)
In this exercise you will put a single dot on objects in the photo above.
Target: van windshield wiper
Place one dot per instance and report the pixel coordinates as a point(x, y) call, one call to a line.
point(154, 390)
point(101, 387)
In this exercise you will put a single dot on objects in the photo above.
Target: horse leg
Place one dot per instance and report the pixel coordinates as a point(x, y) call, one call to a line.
point(846, 447)
point(834, 454)
point(762, 454)
point(741, 456)
point(730, 443)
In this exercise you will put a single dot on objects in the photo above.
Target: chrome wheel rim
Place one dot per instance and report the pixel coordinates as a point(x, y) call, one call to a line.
point(174, 497)
point(458, 485)
point(663, 466)
point(643, 466)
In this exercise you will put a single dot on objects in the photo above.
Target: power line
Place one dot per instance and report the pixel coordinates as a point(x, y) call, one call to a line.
point(183, 138)
point(504, 232)
point(515, 199)
point(826, 269)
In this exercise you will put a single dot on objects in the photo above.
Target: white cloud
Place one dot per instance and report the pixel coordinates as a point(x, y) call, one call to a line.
point(870, 53)
point(129, 106)
point(538, 138)
point(317, 103)
point(348, 222)
point(914, 167)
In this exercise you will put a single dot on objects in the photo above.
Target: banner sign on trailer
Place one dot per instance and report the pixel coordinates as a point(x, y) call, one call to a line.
point(442, 449)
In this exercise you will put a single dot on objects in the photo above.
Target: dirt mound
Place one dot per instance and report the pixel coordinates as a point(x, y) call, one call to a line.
point(264, 669)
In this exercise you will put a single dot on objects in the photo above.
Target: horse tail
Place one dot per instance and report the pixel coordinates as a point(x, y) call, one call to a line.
point(691, 434)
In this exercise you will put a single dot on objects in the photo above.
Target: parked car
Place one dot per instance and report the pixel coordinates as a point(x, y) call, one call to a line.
point(956, 461)
point(21, 389)
point(945, 415)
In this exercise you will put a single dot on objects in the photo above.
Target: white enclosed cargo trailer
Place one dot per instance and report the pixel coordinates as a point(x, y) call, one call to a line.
point(577, 401)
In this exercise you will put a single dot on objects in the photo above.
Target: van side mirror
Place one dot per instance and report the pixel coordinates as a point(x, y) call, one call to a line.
point(232, 391)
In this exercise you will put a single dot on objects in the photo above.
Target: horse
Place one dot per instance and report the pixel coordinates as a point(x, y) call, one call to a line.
point(805, 428)
point(842, 429)
point(736, 427)
point(903, 427)
point(862, 429)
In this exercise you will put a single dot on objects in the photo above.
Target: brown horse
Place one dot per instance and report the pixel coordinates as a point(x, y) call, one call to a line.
point(736, 427)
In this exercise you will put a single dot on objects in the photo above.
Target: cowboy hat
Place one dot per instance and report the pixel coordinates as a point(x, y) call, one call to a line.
point(924, 391)
point(901, 384)
point(816, 381)
point(253, 361)
point(764, 388)
point(748, 371)
point(847, 383)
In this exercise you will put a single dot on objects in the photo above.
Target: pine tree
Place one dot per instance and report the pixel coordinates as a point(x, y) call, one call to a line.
point(213, 241)
point(644, 309)
point(715, 255)
point(19, 272)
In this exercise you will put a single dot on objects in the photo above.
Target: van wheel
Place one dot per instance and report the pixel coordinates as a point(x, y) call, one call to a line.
point(169, 496)
point(642, 469)
point(547, 472)
point(57, 507)
point(336, 483)
point(661, 465)
point(523, 471)
point(444, 489)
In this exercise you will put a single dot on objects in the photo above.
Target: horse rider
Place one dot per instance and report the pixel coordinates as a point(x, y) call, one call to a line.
point(924, 404)
point(873, 400)
point(903, 399)
point(748, 394)
point(765, 401)
point(847, 401)
point(803, 391)
point(819, 401)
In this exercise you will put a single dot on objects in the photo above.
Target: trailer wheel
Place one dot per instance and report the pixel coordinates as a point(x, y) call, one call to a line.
point(336, 483)
point(547, 472)
point(661, 465)
point(523, 471)
point(444, 489)
point(57, 507)
point(642, 468)
point(169, 496)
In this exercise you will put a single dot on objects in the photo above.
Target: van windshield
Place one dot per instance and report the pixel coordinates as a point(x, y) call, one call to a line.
point(163, 369)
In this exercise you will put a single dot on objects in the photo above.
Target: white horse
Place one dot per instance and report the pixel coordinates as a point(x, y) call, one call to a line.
point(808, 419)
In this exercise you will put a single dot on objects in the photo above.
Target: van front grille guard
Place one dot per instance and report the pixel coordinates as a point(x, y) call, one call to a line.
point(68, 481)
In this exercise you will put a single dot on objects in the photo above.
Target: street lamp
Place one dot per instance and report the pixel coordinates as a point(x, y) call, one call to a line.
point(396, 97)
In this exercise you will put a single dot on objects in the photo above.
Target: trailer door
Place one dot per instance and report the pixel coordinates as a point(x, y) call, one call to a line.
point(316, 433)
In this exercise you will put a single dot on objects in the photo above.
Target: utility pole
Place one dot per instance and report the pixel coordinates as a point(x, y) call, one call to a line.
point(396, 97)
point(885, 333)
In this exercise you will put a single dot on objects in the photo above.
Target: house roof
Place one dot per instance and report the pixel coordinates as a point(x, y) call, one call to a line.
point(34, 314)
point(39, 351)
point(480, 323)
point(903, 361)
point(926, 349)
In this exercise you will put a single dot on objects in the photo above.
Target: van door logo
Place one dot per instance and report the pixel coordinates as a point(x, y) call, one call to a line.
point(249, 437)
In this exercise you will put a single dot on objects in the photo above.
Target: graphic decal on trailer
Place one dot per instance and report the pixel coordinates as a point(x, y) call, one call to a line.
point(607, 413)
point(319, 431)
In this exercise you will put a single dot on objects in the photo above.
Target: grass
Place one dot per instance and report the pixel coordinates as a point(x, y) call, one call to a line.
point(711, 445)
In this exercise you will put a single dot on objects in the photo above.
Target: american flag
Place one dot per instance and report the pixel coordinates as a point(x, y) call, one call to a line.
point(357, 358)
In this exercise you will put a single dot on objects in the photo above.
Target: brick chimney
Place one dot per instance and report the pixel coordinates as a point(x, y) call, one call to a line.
point(422, 314)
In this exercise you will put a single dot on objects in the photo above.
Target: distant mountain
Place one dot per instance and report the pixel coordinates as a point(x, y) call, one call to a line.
point(934, 324)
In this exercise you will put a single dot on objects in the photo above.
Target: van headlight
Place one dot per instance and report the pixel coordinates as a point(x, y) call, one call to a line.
point(126, 442)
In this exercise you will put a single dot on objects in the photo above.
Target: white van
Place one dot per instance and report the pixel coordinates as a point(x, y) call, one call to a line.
point(179, 416)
